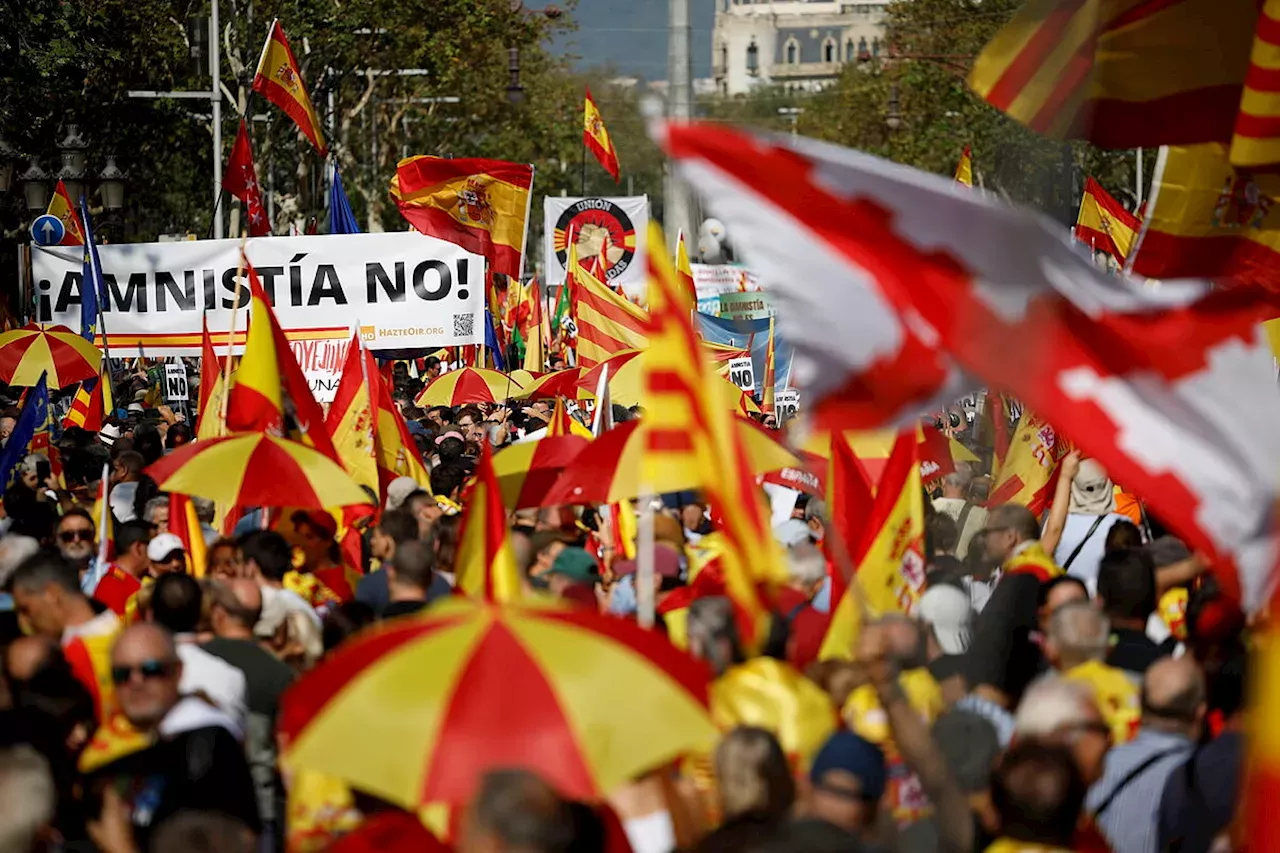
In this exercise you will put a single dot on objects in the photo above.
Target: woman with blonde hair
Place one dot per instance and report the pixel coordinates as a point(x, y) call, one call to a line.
point(753, 778)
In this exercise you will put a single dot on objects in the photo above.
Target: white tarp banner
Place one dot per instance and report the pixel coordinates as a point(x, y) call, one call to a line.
point(619, 225)
point(711, 280)
point(402, 289)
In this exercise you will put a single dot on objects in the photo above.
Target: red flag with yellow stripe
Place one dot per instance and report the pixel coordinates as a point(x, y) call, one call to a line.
point(480, 205)
point(397, 454)
point(350, 420)
point(279, 79)
point(1103, 224)
point(212, 388)
point(184, 524)
point(607, 323)
point(1030, 467)
point(61, 206)
point(269, 376)
point(1121, 73)
point(890, 559)
point(850, 504)
point(688, 428)
point(485, 566)
point(597, 139)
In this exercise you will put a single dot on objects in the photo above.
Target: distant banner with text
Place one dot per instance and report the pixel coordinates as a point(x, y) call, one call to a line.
point(403, 290)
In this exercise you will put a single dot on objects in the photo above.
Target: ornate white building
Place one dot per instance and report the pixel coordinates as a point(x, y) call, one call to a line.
point(801, 44)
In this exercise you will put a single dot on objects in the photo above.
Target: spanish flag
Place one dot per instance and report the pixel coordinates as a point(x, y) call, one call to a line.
point(1103, 224)
point(86, 407)
point(1262, 764)
point(485, 566)
point(184, 524)
point(279, 80)
point(607, 323)
point(684, 270)
point(890, 559)
point(269, 376)
point(850, 504)
point(562, 423)
point(1257, 132)
point(1121, 73)
point(398, 456)
point(964, 169)
point(596, 137)
point(61, 206)
point(687, 429)
point(350, 421)
point(480, 205)
point(1029, 471)
point(212, 388)
point(1209, 220)
point(532, 326)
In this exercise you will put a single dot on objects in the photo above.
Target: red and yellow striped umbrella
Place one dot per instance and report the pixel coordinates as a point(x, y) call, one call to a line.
point(256, 469)
point(468, 385)
point(416, 711)
point(527, 470)
point(626, 382)
point(608, 470)
point(560, 383)
point(56, 350)
point(525, 377)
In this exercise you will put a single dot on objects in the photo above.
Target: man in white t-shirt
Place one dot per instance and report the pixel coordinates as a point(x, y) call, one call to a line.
point(1090, 516)
point(968, 516)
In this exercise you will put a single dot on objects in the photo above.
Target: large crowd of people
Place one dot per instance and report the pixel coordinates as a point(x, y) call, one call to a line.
point(1071, 682)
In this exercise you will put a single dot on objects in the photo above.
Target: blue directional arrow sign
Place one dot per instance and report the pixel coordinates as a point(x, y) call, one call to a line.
point(47, 230)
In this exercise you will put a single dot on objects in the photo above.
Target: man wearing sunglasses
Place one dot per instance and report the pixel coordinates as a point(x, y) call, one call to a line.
point(196, 762)
point(77, 541)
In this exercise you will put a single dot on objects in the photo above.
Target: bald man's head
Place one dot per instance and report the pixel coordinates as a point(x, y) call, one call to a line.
point(235, 606)
point(1173, 694)
point(146, 671)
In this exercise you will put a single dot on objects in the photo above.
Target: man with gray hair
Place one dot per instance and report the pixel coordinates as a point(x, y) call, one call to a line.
point(156, 511)
point(29, 797)
point(713, 635)
point(514, 810)
point(796, 603)
point(1125, 802)
point(1060, 711)
point(1079, 636)
point(968, 516)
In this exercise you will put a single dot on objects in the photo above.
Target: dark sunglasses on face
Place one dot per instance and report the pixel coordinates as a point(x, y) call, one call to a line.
point(69, 536)
point(148, 669)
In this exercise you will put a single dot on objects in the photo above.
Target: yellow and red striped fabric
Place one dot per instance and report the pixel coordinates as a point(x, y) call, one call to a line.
point(480, 205)
point(964, 169)
point(1256, 141)
point(350, 420)
point(86, 407)
point(1121, 73)
point(596, 137)
point(607, 323)
point(890, 567)
point(585, 701)
point(211, 423)
point(558, 383)
point(1103, 224)
point(184, 524)
point(62, 206)
point(1029, 471)
point(28, 352)
point(684, 270)
point(770, 382)
point(527, 470)
point(90, 660)
point(688, 430)
point(562, 424)
point(279, 80)
point(468, 385)
point(485, 565)
point(256, 469)
point(398, 455)
point(1262, 764)
point(1211, 221)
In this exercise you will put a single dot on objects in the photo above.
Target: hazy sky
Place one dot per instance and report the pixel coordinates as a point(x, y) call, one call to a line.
point(632, 36)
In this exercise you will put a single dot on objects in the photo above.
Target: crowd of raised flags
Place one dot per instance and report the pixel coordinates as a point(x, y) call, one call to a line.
point(899, 293)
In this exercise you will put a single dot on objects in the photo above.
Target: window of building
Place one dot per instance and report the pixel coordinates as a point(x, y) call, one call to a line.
point(724, 57)
point(829, 50)
point(753, 59)
point(793, 52)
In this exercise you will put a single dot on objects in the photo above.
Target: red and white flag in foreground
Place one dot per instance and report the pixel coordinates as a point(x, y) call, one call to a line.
point(889, 284)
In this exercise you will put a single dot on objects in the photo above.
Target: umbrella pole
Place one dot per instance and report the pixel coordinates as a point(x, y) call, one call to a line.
point(645, 596)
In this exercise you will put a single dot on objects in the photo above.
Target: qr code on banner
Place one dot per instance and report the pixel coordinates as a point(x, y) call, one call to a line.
point(464, 325)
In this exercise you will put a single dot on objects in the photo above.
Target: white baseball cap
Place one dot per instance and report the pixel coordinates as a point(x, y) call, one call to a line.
point(162, 545)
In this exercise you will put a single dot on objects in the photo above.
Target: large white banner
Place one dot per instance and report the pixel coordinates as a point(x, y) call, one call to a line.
point(619, 225)
point(401, 290)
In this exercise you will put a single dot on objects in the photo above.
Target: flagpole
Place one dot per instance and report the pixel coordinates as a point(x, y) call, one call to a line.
point(645, 544)
point(582, 188)
point(528, 206)
point(231, 339)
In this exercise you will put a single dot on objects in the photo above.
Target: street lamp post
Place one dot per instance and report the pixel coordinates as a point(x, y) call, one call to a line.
point(35, 186)
point(72, 173)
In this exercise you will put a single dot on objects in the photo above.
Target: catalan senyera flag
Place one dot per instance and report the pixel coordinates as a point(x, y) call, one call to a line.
point(351, 415)
point(964, 169)
point(480, 205)
point(279, 80)
point(596, 137)
point(485, 566)
point(1211, 221)
point(1121, 73)
point(62, 206)
point(684, 269)
point(1030, 467)
point(890, 576)
point(398, 456)
point(269, 376)
point(607, 323)
point(850, 504)
point(1256, 141)
point(687, 428)
point(86, 407)
point(562, 424)
point(212, 388)
point(1103, 224)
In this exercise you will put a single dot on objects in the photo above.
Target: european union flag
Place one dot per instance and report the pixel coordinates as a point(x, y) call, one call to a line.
point(491, 342)
point(341, 219)
point(91, 284)
point(34, 416)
